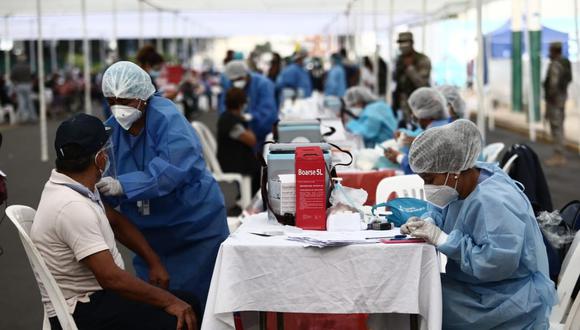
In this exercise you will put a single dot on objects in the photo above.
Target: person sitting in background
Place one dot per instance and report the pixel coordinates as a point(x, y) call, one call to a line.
point(75, 234)
point(335, 84)
point(261, 102)
point(429, 109)
point(497, 268)
point(455, 103)
point(373, 119)
point(236, 141)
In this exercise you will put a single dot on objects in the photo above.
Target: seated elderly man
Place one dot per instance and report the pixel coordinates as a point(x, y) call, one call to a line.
point(429, 109)
point(76, 235)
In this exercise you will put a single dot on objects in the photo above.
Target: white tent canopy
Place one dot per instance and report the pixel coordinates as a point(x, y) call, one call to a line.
point(217, 18)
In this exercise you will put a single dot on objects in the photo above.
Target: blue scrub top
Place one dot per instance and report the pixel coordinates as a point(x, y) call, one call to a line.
point(375, 124)
point(335, 84)
point(164, 166)
point(296, 77)
point(497, 268)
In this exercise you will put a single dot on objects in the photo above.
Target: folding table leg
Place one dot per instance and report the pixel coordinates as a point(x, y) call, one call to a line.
point(414, 322)
point(263, 320)
point(280, 321)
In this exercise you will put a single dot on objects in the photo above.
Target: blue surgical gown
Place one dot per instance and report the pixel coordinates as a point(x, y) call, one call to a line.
point(261, 104)
point(375, 124)
point(497, 268)
point(295, 77)
point(335, 84)
point(164, 166)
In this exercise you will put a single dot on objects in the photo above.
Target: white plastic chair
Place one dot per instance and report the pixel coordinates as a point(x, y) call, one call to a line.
point(491, 152)
point(403, 186)
point(8, 109)
point(508, 165)
point(566, 281)
point(209, 146)
point(22, 217)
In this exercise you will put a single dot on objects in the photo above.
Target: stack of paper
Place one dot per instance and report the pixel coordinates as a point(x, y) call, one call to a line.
point(329, 239)
point(287, 193)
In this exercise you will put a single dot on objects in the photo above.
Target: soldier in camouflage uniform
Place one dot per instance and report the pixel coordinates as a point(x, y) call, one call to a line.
point(558, 78)
point(412, 70)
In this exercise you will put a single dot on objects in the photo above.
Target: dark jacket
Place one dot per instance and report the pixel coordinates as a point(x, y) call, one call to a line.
point(527, 170)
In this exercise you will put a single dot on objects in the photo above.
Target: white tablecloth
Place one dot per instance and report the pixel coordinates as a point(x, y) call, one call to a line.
point(254, 273)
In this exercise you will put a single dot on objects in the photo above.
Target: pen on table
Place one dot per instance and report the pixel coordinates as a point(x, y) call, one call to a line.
point(389, 237)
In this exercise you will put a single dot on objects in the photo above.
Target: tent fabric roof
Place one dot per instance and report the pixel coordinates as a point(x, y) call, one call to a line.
point(211, 18)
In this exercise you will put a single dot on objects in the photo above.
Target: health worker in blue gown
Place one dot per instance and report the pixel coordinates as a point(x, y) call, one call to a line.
point(162, 183)
point(429, 109)
point(261, 110)
point(295, 77)
point(497, 267)
point(335, 84)
point(372, 118)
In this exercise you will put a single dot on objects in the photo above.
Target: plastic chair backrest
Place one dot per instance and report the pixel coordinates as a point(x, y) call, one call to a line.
point(403, 186)
point(22, 217)
point(573, 319)
point(508, 165)
point(209, 146)
point(491, 152)
point(567, 280)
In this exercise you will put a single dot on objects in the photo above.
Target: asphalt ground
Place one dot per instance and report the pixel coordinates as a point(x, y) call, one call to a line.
point(20, 306)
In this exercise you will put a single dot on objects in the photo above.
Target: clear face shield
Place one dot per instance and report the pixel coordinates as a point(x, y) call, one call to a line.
point(111, 165)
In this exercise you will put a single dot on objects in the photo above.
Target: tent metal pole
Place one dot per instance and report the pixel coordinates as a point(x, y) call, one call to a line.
point(141, 41)
point(480, 95)
point(41, 95)
point(577, 60)
point(115, 42)
point(7, 64)
point(32, 55)
point(424, 27)
point(391, 58)
point(159, 41)
point(86, 60)
point(71, 53)
point(377, 48)
point(53, 56)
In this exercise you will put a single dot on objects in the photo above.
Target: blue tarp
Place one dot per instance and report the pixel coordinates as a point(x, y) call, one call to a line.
point(501, 41)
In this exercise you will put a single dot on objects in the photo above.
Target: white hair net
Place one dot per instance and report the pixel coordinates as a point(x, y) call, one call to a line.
point(428, 103)
point(451, 94)
point(127, 80)
point(236, 69)
point(446, 149)
point(358, 94)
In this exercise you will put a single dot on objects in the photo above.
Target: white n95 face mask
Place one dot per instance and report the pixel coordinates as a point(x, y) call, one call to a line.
point(125, 115)
point(240, 84)
point(441, 196)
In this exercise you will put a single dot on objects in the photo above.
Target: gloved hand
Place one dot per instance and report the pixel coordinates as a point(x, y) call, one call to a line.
point(411, 223)
point(428, 231)
point(109, 186)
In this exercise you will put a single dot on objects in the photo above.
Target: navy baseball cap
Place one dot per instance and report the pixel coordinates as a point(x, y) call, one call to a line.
point(80, 136)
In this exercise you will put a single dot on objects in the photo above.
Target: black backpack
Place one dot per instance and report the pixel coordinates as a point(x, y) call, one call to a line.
point(571, 215)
